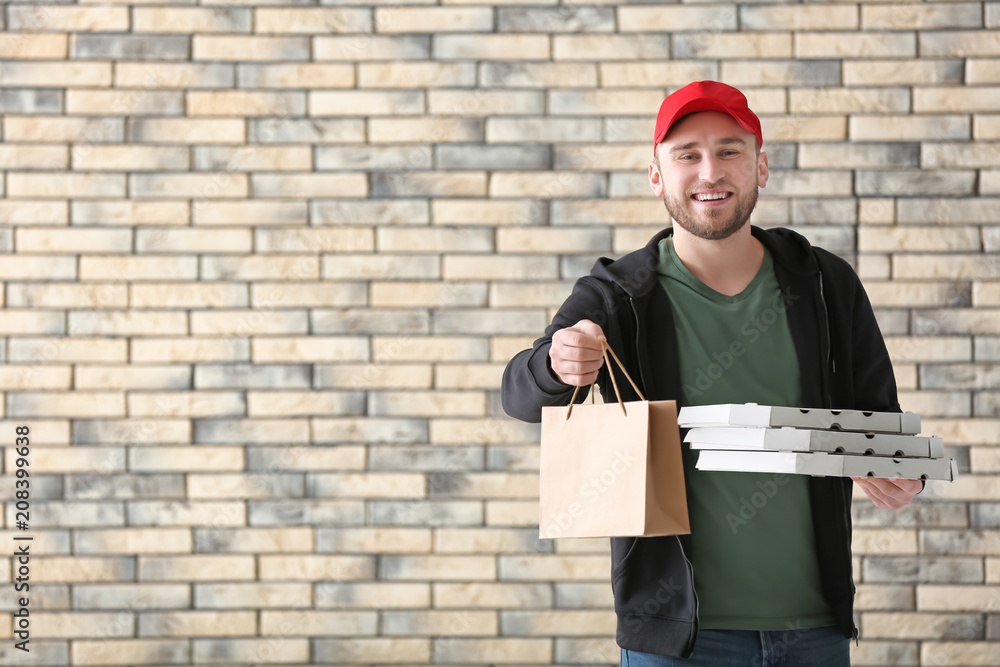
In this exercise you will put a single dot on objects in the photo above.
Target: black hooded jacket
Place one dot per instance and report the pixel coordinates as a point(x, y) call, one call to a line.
point(843, 364)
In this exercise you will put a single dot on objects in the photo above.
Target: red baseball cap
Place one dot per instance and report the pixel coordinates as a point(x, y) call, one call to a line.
point(705, 96)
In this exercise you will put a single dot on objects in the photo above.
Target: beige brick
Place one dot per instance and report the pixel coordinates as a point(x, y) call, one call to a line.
point(72, 350)
point(485, 102)
point(63, 129)
point(437, 568)
point(313, 20)
point(373, 650)
point(202, 186)
point(553, 240)
point(202, 567)
point(491, 47)
point(929, 348)
point(508, 649)
point(239, 48)
point(239, 103)
point(122, 269)
point(715, 19)
point(967, 487)
point(310, 294)
point(849, 100)
point(197, 623)
point(37, 267)
point(173, 75)
point(311, 348)
point(371, 47)
point(432, 403)
point(248, 322)
point(253, 540)
point(558, 623)
point(530, 130)
point(435, 240)
point(553, 568)
point(492, 595)
point(127, 158)
point(417, 75)
point(964, 652)
point(46, 460)
point(609, 47)
point(54, 569)
point(374, 540)
point(918, 239)
point(853, 45)
point(130, 212)
point(185, 458)
point(55, 74)
point(939, 99)
point(23, 376)
point(24, 45)
point(511, 513)
point(129, 651)
point(258, 595)
point(256, 212)
point(190, 295)
point(49, 239)
point(365, 102)
point(188, 130)
point(432, 294)
point(440, 623)
point(186, 404)
point(916, 17)
point(981, 71)
point(66, 295)
point(318, 623)
point(81, 625)
point(180, 350)
point(485, 540)
point(188, 20)
point(805, 128)
point(875, 72)
point(603, 102)
point(298, 403)
point(468, 376)
point(975, 599)
point(986, 294)
point(31, 321)
point(67, 18)
point(486, 211)
point(947, 266)
point(799, 17)
point(433, 19)
point(959, 43)
point(64, 185)
point(161, 240)
point(27, 212)
point(132, 540)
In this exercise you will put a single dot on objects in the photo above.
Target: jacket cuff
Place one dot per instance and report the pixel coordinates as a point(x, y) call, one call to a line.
point(541, 371)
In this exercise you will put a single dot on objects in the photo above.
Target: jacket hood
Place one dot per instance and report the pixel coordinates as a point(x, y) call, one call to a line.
point(635, 273)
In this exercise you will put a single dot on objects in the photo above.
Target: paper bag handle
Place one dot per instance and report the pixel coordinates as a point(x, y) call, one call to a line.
point(605, 348)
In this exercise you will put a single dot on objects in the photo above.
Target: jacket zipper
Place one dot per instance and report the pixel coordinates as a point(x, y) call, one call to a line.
point(680, 546)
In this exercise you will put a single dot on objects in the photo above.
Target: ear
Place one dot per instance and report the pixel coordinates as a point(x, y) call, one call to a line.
point(655, 179)
point(762, 169)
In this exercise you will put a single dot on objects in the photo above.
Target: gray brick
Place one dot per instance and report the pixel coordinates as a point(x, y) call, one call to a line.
point(186, 513)
point(551, 19)
point(581, 596)
point(544, 130)
point(854, 155)
point(888, 569)
point(107, 487)
point(428, 184)
point(919, 514)
point(537, 75)
point(987, 404)
point(58, 514)
point(131, 596)
point(959, 376)
point(488, 322)
point(493, 157)
point(914, 183)
point(425, 513)
point(366, 321)
point(958, 43)
point(306, 512)
point(973, 542)
point(104, 432)
point(367, 211)
point(31, 100)
point(117, 46)
point(426, 458)
point(384, 266)
point(825, 211)
point(311, 131)
point(783, 72)
point(597, 47)
point(978, 210)
point(252, 376)
point(984, 515)
point(370, 430)
point(221, 431)
point(373, 158)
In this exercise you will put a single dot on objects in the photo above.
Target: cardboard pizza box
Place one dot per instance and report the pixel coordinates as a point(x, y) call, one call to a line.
point(751, 414)
point(809, 440)
point(830, 465)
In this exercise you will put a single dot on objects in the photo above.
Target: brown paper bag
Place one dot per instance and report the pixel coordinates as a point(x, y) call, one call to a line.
point(611, 470)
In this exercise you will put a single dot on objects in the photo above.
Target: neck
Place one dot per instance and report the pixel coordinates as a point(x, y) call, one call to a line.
point(727, 266)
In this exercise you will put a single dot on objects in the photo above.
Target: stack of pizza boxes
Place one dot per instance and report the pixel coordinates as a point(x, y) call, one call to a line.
point(839, 443)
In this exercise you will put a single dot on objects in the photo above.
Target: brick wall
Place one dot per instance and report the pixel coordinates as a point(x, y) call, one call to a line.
point(263, 266)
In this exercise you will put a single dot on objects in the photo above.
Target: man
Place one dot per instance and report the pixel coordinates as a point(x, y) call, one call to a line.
point(717, 311)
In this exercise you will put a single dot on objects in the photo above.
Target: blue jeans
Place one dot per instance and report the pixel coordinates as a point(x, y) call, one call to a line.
point(805, 647)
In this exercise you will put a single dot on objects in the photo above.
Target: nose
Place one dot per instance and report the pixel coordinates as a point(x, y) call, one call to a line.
point(710, 169)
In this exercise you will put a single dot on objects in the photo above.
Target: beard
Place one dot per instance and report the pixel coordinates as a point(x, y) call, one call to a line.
point(720, 224)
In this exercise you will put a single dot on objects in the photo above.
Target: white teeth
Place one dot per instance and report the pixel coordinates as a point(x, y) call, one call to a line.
point(721, 195)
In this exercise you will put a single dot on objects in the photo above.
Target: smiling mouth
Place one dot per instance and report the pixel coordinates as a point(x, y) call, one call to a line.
point(711, 196)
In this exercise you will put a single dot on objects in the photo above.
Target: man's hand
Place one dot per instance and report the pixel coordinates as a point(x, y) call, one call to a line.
point(889, 494)
point(576, 353)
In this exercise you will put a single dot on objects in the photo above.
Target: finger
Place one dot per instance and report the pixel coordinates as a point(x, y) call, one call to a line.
point(590, 328)
point(565, 367)
point(575, 380)
point(571, 337)
point(897, 490)
point(872, 491)
point(885, 493)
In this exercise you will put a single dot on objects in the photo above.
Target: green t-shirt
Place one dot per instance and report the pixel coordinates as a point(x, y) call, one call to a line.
point(755, 564)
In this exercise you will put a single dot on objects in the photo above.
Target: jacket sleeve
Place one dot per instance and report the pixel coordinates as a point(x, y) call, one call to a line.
point(874, 380)
point(529, 382)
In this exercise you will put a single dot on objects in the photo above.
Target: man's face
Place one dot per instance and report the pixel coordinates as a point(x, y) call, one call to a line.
point(707, 171)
